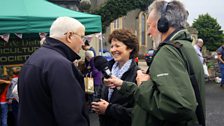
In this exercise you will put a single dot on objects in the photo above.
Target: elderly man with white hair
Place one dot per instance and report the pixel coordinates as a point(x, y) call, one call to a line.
point(51, 88)
point(198, 46)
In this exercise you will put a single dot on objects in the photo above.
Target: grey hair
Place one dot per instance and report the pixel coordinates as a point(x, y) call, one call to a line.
point(63, 25)
point(175, 12)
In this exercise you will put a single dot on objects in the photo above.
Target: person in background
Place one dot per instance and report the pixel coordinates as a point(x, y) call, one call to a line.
point(97, 77)
point(114, 109)
point(165, 96)
point(220, 52)
point(50, 87)
point(87, 46)
point(12, 94)
point(3, 102)
point(198, 47)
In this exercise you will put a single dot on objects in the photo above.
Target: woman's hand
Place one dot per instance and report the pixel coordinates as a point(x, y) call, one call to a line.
point(100, 107)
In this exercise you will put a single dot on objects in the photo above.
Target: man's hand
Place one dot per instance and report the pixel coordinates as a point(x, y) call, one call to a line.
point(113, 82)
point(141, 77)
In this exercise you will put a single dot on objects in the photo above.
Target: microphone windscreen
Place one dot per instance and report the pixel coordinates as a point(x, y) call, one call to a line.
point(100, 63)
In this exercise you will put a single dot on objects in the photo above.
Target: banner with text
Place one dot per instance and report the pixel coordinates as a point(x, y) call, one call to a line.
point(17, 51)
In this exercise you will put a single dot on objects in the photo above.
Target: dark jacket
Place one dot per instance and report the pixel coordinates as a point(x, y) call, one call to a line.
point(51, 89)
point(119, 110)
point(168, 99)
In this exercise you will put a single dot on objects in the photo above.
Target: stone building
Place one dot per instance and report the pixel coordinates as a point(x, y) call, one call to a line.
point(135, 21)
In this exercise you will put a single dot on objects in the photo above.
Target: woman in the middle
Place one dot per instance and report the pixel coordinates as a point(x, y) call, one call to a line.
point(114, 109)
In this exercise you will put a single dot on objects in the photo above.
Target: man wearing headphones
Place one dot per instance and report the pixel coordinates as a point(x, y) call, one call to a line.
point(172, 94)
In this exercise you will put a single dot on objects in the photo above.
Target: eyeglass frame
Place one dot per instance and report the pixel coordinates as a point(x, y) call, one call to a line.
point(83, 38)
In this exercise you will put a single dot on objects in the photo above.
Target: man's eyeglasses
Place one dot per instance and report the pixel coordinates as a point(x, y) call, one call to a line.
point(82, 37)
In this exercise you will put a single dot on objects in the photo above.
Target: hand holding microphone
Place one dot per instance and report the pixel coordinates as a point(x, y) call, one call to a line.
point(101, 64)
point(113, 82)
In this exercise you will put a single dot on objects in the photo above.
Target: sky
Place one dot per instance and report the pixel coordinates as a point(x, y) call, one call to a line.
point(215, 8)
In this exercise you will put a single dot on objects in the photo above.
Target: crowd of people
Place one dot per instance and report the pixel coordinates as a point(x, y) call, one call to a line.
point(9, 99)
point(51, 89)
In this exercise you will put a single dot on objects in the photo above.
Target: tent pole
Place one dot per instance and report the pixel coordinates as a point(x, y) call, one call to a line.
point(101, 44)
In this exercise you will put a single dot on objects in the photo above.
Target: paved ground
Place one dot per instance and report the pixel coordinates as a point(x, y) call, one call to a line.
point(142, 65)
point(214, 105)
point(94, 120)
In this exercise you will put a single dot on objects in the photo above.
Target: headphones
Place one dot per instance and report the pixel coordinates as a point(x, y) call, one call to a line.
point(163, 24)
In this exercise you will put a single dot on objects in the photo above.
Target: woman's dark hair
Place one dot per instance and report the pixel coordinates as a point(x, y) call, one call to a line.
point(128, 38)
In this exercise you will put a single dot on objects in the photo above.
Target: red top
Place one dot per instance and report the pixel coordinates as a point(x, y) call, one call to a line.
point(3, 94)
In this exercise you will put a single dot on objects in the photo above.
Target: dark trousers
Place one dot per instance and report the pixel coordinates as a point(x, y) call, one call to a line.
point(13, 113)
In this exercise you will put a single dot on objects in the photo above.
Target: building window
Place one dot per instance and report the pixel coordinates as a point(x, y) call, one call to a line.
point(116, 24)
point(142, 29)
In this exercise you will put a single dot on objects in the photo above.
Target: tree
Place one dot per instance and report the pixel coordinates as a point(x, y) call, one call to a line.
point(84, 5)
point(209, 30)
point(114, 9)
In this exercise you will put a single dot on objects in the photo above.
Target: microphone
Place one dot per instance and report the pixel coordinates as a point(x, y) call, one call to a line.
point(101, 64)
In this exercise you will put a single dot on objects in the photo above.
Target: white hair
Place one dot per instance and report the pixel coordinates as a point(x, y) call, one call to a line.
point(63, 25)
point(199, 41)
point(89, 54)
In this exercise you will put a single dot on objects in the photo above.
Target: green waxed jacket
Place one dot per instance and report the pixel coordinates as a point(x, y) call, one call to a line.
point(168, 98)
